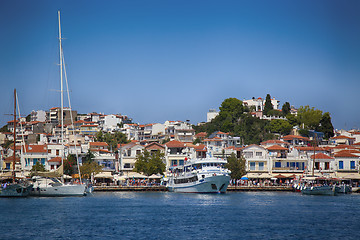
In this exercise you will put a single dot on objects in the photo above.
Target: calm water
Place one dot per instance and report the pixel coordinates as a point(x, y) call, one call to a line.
point(159, 215)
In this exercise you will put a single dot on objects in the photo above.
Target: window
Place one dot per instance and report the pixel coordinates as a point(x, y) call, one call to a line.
point(258, 154)
point(57, 152)
point(129, 152)
point(341, 164)
point(7, 165)
point(173, 162)
point(252, 166)
point(34, 161)
point(248, 154)
point(278, 164)
point(181, 162)
point(317, 165)
point(43, 161)
point(49, 150)
point(327, 165)
point(261, 166)
point(127, 165)
point(138, 152)
point(352, 164)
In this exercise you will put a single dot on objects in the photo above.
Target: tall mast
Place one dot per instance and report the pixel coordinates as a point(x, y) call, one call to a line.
point(61, 93)
point(14, 155)
point(315, 143)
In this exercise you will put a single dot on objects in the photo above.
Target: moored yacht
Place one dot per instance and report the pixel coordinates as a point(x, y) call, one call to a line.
point(207, 175)
point(53, 187)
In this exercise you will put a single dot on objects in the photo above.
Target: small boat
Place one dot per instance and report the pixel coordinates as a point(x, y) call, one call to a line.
point(342, 189)
point(15, 189)
point(206, 175)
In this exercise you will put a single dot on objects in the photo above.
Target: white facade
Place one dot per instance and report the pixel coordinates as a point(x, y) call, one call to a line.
point(211, 114)
point(39, 115)
point(111, 122)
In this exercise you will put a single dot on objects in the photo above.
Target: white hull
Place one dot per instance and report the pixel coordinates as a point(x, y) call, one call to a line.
point(52, 187)
point(213, 184)
point(59, 191)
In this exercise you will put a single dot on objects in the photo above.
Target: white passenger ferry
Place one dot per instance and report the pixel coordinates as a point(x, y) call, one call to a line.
point(207, 175)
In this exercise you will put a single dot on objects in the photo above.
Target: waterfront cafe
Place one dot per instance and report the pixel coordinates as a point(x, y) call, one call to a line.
point(104, 179)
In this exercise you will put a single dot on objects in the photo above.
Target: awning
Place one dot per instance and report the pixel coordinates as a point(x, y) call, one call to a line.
point(104, 175)
point(154, 176)
point(348, 175)
point(258, 175)
point(135, 175)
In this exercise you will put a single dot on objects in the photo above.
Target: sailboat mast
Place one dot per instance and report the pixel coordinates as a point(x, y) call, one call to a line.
point(61, 93)
point(14, 155)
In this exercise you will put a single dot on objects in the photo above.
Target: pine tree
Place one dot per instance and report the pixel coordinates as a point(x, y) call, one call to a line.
point(268, 105)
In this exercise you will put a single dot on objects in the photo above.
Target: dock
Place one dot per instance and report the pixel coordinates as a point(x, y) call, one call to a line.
point(260, 188)
point(130, 188)
point(165, 189)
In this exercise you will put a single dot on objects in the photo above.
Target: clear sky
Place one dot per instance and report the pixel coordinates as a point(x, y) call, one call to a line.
point(174, 60)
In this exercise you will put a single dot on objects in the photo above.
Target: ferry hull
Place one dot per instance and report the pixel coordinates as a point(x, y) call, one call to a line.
point(213, 184)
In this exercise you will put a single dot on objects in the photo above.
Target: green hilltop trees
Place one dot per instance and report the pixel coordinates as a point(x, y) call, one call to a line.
point(236, 119)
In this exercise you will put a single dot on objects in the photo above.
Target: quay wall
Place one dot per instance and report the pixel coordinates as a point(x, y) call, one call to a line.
point(165, 189)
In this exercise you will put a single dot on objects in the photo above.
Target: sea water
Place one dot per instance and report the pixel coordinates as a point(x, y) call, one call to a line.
point(164, 215)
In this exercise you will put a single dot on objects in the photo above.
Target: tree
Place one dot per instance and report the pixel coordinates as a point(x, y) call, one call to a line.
point(69, 164)
point(286, 108)
point(309, 117)
point(236, 166)
point(89, 157)
point(38, 167)
point(268, 105)
point(89, 168)
point(150, 163)
point(326, 126)
point(112, 139)
point(280, 126)
point(292, 119)
point(4, 129)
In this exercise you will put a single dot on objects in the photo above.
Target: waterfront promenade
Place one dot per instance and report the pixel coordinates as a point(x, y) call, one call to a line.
point(165, 189)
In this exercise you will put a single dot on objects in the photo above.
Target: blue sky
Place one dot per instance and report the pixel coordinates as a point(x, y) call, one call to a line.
point(174, 60)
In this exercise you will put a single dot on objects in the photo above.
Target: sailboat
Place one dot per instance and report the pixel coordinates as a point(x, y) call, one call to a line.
point(50, 185)
point(15, 188)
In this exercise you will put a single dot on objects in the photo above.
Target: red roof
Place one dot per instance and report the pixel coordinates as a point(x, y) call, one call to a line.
point(346, 154)
point(291, 137)
point(98, 144)
point(321, 156)
point(36, 148)
point(154, 146)
point(201, 135)
point(276, 148)
point(175, 144)
point(273, 141)
point(55, 159)
point(310, 148)
point(342, 137)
